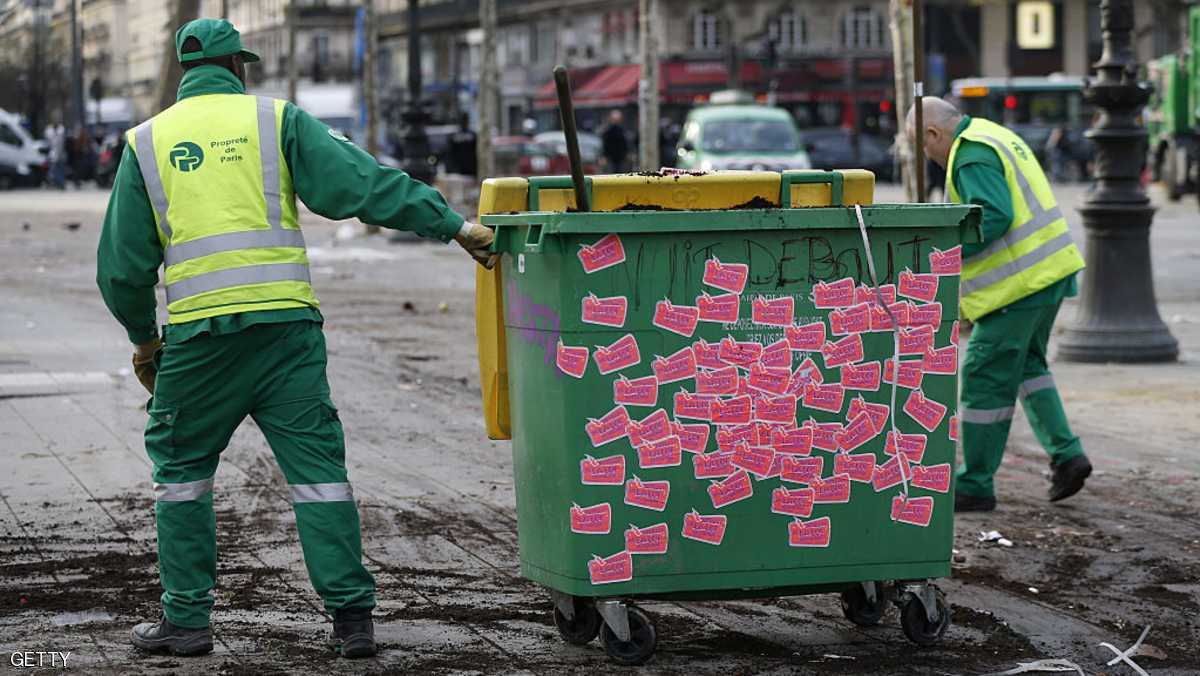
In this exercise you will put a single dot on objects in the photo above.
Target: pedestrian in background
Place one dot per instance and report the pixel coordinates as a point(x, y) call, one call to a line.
point(56, 141)
point(208, 189)
point(1012, 285)
point(615, 143)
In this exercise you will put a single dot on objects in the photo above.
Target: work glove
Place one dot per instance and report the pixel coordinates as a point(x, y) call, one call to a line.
point(143, 363)
point(477, 239)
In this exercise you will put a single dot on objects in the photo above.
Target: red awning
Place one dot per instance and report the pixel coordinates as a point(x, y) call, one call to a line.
point(613, 86)
point(581, 78)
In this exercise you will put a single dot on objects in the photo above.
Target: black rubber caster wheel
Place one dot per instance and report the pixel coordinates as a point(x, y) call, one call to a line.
point(916, 624)
point(581, 629)
point(861, 611)
point(641, 643)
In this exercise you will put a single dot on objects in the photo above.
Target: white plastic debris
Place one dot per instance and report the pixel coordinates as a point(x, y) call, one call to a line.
point(1042, 666)
point(995, 536)
point(1033, 590)
point(1124, 656)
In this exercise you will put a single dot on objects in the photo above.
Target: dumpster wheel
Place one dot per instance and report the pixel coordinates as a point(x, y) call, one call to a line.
point(864, 606)
point(584, 624)
point(642, 639)
point(924, 620)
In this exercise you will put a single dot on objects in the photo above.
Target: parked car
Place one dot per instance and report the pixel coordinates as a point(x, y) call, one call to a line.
point(553, 146)
point(740, 136)
point(22, 160)
point(833, 148)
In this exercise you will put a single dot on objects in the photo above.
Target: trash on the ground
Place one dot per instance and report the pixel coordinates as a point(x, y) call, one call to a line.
point(995, 536)
point(1133, 650)
point(1041, 666)
point(831, 656)
point(443, 307)
point(1151, 651)
point(71, 226)
point(26, 226)
point(1034, 590)
point(408, 306)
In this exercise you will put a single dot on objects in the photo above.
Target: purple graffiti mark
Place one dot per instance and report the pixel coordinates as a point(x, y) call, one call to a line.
point(531, 321)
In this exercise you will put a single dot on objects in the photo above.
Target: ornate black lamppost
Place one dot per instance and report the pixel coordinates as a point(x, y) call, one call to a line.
point(1118, 318)
point(416, 141)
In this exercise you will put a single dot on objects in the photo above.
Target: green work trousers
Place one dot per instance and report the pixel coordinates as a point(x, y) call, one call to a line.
point(206, 386)
point(1006, 358)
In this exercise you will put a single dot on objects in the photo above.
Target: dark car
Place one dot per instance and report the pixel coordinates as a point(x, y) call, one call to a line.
point(832, 148)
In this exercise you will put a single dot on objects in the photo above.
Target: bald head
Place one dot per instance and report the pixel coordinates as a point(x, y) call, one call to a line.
point(941, 118)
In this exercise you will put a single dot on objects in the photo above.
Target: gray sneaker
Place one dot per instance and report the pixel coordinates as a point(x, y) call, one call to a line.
point(164, 637)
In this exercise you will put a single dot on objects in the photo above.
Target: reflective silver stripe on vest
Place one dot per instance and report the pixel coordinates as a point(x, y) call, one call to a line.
point(1017, 266)
point(1037, 384)
point(233, 241)
point(143, 135)
point(321, 493)
point(184, 492)
point(223, 279)
point(986, 416)
point(268, 150)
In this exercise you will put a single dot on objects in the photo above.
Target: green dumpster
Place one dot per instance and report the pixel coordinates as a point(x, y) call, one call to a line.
point(706, 404)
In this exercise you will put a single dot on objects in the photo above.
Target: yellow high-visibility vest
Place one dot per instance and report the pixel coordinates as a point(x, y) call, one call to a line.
point(1036, 250)
point(224, 205)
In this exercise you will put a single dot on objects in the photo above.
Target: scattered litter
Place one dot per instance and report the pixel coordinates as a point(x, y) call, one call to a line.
point(995, 536)
point(443, 307)
point(831, 656)
point(71, 226)
point(1034, 590)
point(1124, 656)
point(1041, 666)
point(409, 307)
point(1152, 651)
point(26, 226)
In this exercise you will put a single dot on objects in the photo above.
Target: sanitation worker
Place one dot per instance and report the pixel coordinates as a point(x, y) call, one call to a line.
point(208, 190)
point(1012, 285)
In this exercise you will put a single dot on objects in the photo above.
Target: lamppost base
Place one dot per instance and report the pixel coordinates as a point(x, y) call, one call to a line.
point(1118, 344)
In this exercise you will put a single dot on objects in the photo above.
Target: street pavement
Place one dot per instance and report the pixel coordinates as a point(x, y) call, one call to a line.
point(77, 545)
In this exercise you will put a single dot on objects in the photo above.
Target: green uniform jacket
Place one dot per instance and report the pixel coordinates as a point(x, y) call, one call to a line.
point(978, 177)
point(332, 176)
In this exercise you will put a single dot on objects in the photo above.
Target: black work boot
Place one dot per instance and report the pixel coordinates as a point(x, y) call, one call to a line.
point(1069, 476)
point(353, 632)
point(973, 503)
point(164, 637)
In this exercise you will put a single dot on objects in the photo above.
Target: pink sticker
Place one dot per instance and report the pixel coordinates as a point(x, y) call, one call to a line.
point(933, 478)
point(866, 294)
point(918, 287)
point(741, 354)
point(792, 501)
point(825, 435)
point(929, 314)
point(825, 397)
point(731, 489)
point(914, 511)
point(754, 459)
point(891, 473)
point(679, 319)
point(678, 366)
point(594, 520)
point(794, 441)
point(693, 437)
point(609, 471)
point(665, 452)
point(943, 360)
point(735, 411)
point(606, 311)
point(911, 445)
point(616, 568)
point(813, 533)
point(775, 470)
point(878, 413)
point(858, 466)
point(834, 294)
point(694, 406)
point(770, 380)
point(953, 432)
point(638, 392)
point(915, 340)
point(857, 432)
point(881, 319)
point(614, 425)
point(722, 309)
point(834, 489)
point(707, 355)
point(648, 494)
point(648, 540)
point(864, 376)
point(651, 428)
point(777, 355)
point(911, 373)
point(708, 528)
point(854, 319)
point(621, 354)
point(948, 262)
point(720, 381)
point(806, 337)
point(773, 311)
point(954, 332)
point(780, 410)
point(802, 469)
point(807, 372)
point(712, 465)
point(605, 253)
point(848, 350)
point(729, 277)
point(729, 436)
point(927, 412)
point(572, 360)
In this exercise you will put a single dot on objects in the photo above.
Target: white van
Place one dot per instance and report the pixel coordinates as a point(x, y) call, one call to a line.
point(21, 160)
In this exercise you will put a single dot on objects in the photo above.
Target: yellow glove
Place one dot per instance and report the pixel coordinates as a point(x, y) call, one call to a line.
point(143, 363)
point(476, 239)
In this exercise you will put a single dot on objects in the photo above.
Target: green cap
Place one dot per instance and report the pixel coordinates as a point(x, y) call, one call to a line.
point(217, 37)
